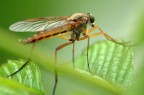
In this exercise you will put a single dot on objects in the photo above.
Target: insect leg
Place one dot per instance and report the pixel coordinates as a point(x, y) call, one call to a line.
point(88, 55)
point(55, 67)
point(24, 63)
point(73, 54)
point(66, 38)
point(108, 37)
point(86, 36)
point(98, 34)
point(83, 38)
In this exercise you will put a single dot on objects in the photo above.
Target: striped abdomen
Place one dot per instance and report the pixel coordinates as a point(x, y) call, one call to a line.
point(47, 34)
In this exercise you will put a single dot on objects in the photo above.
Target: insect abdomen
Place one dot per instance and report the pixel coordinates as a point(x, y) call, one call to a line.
point(44, 35)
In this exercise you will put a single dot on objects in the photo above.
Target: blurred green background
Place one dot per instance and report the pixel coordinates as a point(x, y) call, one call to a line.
point(122, 19)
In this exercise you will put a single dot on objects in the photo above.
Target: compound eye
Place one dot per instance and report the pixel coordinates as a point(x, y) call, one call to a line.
point(92, 19)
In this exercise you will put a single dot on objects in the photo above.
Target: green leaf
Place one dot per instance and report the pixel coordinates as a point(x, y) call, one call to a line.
point(110, 61)
point(28, 76)
point(10, 87)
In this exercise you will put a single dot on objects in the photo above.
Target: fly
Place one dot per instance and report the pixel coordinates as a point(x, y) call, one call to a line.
point(60, 26)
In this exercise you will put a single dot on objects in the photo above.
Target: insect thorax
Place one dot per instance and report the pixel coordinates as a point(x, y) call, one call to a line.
point(79, 17)
point(77, 31)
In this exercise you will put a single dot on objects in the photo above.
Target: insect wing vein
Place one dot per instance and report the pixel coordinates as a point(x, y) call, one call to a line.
point(38, 24)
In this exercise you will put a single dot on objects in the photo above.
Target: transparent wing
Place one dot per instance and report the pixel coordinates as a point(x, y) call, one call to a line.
point(39, 24)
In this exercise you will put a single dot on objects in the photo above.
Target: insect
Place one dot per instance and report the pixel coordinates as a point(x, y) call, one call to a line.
point(60, 26)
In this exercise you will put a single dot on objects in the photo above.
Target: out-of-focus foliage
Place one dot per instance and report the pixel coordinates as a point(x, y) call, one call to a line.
point(138, 36)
